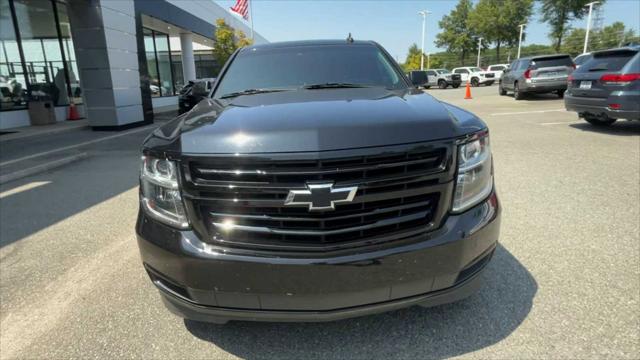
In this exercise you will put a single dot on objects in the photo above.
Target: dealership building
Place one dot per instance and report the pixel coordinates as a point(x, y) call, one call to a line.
point(118, 61)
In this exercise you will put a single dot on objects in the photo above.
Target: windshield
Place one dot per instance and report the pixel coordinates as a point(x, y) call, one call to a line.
point(443, 71)
point(299, 66)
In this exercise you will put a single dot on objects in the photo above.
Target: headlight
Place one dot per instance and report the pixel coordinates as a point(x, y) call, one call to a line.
point(160, 195)
point(475, 174)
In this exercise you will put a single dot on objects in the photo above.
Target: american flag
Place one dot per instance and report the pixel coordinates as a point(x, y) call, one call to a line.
point(241, 8)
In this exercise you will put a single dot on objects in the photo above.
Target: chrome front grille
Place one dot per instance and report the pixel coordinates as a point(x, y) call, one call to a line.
point(239, 201)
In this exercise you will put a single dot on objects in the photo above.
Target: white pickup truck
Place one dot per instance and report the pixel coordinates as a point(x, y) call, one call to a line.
point(475, 75)
point(497, 69)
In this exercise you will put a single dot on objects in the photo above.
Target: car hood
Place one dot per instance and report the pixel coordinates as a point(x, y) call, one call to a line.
point(312, 120)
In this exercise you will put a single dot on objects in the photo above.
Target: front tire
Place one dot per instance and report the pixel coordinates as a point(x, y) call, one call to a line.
point(475, 82)
point(455, 86)
point(501, 90)
point(597, 121)
point(442, 84)
point(517, 94)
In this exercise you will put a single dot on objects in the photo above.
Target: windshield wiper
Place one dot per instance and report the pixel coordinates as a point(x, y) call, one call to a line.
point(250, 92)
point(336, 85)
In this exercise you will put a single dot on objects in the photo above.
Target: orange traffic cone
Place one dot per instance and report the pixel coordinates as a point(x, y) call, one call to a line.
point(467, 94)
point(73, 112)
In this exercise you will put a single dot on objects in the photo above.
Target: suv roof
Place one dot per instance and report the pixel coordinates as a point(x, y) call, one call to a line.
point(283, 44)
point(630, 48)
point(538, 57)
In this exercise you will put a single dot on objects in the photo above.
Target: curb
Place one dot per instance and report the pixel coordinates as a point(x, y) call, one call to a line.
point(41, 168)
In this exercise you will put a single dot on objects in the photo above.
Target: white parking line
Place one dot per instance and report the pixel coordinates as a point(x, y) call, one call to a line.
point(77, 145)
point(560, 123)
point(528, 112)
point(25, 187)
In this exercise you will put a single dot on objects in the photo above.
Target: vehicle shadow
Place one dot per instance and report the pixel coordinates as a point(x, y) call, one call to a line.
point(36, 202)
point(620, 127)
point(414, 333)
point(540, 97)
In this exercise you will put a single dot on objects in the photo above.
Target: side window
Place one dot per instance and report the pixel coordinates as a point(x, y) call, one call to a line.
point(431, 73)
point(456, 71)
point(514, 65)
point(464, 71)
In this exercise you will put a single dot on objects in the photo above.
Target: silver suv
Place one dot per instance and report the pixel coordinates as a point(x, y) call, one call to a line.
point(537, 74)
point(443, 78)
point(606, 87)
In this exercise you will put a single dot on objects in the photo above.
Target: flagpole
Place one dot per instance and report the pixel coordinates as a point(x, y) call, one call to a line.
point(251, 16)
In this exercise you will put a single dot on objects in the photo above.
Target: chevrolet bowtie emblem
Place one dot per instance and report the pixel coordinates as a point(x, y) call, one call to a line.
point(321, 196)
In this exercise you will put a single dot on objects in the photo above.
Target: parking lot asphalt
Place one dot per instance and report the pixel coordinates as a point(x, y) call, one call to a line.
point(565, 281)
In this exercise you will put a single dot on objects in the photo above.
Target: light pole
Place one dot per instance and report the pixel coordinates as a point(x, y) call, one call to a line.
point(479, 47)
point(423, 13)
point(586, 36)
point(520, 39)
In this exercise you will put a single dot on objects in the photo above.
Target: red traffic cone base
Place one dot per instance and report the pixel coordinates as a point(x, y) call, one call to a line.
point(73, 112)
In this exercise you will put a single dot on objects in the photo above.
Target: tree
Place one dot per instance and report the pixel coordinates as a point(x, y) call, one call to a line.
point(455, 35)
point(228, 40)
point(574, 42)
point(559, 13)
point(496, 21)
point(413, 59)
point(610, 36)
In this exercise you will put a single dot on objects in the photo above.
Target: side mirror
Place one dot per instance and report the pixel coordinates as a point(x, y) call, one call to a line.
point(418, 78)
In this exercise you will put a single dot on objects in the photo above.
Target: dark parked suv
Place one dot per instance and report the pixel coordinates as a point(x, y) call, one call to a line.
point(536, 74)
point(606, 87)
point(193, 92)
point(316, 183)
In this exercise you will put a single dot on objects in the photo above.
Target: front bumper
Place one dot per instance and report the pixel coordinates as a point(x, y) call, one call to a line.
point(202, 282)
point(629, 109)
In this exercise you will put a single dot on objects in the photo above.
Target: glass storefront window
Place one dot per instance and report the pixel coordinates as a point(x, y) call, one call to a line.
point(70, 56)
point(164, 63)
point(42, 52)
point(156, 45)
point(152, 68)
point(13, 84)
point(178, 78)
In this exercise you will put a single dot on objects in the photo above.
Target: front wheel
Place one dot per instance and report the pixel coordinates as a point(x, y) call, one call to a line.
point(599, 121)
point(442, 84)
point(501, 90)
point(517, 94)
point(475, 82)
point(427, 86)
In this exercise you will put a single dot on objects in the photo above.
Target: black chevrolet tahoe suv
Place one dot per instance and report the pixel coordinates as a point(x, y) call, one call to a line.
point(316, 183)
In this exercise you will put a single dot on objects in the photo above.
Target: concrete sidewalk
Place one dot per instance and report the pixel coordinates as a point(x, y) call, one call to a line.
point(36, 149)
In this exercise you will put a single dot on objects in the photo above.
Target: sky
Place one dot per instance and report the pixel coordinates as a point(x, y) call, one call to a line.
point(395, 24)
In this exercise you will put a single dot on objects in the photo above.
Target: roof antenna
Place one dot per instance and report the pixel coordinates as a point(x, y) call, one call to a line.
point(349, 38)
